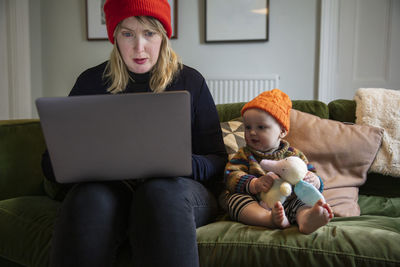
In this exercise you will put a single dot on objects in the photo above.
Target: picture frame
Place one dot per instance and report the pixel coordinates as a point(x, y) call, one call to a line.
point(96, 24)
point(95, 20)
point(236, 21)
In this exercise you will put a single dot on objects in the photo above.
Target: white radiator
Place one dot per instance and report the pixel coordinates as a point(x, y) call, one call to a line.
point(232, 90)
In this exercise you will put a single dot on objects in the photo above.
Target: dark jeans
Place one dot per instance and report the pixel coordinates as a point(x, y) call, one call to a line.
point(159, 218)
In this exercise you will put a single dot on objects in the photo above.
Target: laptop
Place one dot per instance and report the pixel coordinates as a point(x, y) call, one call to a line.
point(117, 137)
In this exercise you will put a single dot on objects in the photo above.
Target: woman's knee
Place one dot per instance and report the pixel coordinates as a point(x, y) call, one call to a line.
point(173, 197)
point(161, 189)
point(89, 199)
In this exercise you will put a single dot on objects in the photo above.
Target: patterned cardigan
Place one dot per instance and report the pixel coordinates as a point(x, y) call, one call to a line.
point(244, 166)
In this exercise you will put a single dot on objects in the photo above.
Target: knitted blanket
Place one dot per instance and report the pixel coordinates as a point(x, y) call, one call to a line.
point(381, 108)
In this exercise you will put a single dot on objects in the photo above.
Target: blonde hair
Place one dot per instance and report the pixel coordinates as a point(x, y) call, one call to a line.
point(163, 72)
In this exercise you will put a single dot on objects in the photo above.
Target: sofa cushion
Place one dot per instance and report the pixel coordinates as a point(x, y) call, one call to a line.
point(346, 241)
point(341, 153)
point(227, 112)
point(313, 107)
point(379, 206)
point(26, 225)
point(342, 110)
point(21, 148)
point(376, 184)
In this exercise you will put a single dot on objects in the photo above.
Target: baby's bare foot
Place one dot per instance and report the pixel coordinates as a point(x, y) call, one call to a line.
point(310, 219)
point(279, 217)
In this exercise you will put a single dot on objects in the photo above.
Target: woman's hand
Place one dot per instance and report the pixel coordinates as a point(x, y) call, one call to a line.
point(263, 183)
point(313, 179)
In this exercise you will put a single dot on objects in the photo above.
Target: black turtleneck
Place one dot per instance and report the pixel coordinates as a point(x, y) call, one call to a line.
point(209, 156)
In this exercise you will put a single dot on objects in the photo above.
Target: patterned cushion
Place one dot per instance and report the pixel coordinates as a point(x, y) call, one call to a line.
point(233, 134)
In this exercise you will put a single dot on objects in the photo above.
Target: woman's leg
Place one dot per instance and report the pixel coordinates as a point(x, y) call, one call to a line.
point(164, 217)
point(91, 225)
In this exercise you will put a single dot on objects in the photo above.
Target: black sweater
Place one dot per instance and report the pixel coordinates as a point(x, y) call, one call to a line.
point(209, 155)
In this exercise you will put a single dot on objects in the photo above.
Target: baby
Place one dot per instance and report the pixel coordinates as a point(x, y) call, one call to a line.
point(267, 120)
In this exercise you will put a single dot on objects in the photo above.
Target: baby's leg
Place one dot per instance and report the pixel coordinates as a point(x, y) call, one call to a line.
point(254, 214)
point(310, 219)
point(246, 209)
point(279, 217)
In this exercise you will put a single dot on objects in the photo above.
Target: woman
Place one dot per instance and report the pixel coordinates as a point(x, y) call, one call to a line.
point(158, 216)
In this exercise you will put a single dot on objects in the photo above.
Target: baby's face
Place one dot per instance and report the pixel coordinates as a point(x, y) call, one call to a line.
point(262, 132)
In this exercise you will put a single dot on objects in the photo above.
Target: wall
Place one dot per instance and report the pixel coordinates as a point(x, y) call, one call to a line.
point(36, 51)
point(63, 52)
point(4, 84)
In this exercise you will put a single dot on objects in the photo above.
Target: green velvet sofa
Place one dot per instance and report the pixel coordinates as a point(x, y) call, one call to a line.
point(28, 209)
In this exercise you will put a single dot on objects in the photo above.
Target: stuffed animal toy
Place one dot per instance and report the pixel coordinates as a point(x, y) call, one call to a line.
point(291, 172)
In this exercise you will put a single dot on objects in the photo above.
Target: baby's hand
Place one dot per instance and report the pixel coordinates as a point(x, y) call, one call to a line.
point(313, 179)
point(263, 183)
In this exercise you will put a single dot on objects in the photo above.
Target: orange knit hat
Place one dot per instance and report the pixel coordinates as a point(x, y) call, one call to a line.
point(118, 10)
point(276, 103)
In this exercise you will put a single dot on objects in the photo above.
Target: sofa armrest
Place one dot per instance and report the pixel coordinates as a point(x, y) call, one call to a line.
point(21, 148)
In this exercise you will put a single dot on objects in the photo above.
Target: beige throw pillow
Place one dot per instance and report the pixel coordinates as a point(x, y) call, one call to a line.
point(341, 154)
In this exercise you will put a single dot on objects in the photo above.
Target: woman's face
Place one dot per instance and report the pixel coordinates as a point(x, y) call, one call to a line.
point(138, 45)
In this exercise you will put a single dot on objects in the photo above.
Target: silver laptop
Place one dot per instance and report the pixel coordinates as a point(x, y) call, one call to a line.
point(117, 137)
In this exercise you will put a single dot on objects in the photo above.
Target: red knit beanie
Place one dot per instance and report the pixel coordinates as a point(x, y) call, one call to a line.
point(276, 103)
point(118, 10)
